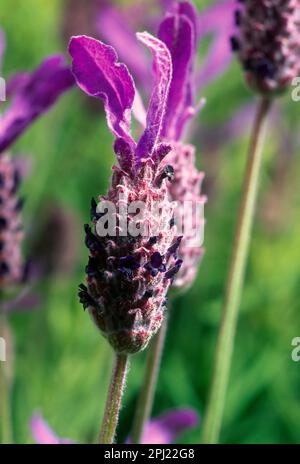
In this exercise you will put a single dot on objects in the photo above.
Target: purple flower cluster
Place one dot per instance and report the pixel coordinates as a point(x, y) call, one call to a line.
point(268, 43)
point(128, 277)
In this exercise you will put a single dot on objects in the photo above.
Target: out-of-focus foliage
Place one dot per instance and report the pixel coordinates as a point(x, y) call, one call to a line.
point(62, 363)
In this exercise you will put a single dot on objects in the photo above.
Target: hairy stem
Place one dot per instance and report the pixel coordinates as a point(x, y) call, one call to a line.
point(214, 413)
point(114, 398)
point(147, 392)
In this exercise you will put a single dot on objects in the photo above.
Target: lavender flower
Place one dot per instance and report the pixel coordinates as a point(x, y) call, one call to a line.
point(179, 32)
point(165, 429)
point(128, 276)
point(186, 187)
point(268, 43)
point(43, 434)
point(33, 94)
point(116, 25)
point(215, 21)
point(11, 234)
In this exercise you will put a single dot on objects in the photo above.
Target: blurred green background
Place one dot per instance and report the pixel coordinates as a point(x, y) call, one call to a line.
point(62, 364)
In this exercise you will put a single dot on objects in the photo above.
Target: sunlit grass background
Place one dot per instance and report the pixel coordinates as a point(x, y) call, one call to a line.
point(62, 364)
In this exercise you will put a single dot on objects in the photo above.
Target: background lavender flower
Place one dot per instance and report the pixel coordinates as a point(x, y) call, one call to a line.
point(216, 21)
point(117, 25)
point(43, 434)
point(186, 187)
point(33, 96)
point(168, 427)
point(268, 43)
point(128, 277)
point(179, 32)
point(165, 429)
point(11, 234)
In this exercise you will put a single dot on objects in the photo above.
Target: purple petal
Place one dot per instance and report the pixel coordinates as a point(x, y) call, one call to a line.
point(218, 21)
point(188, 9)
point(177, 32)
point(43, 434)
point(98, 73)
point(17, 83)
point(35, 96)
point(113, 26)
point(166, 4)
point(163, 74)
point(212, 137)
point(217, 60)
point(169, 426)
point(220, 15)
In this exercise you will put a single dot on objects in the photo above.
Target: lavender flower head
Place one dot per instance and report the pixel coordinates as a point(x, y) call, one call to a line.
point(31, 95)
point(128, 275)
point(268, 43)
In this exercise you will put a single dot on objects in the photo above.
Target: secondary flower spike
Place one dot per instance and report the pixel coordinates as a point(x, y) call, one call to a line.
point(30, 95)
point(128, 275)
point(179, 32)
point(268, 43)
point(11, 233)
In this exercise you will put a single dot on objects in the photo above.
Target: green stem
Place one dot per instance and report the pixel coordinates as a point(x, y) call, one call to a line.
point(113, 403)
point(214, 413)
point(5, 400)
point(147, 392)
